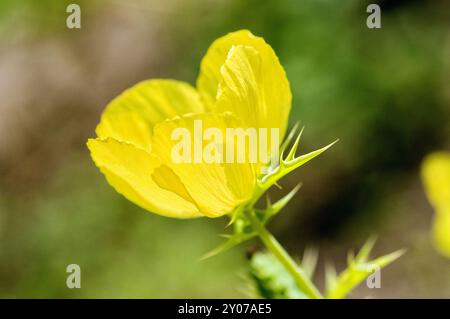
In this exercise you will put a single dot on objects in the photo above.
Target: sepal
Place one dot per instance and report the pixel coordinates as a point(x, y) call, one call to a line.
point(358, 269)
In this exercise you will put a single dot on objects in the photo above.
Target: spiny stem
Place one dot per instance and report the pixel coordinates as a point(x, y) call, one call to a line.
point(283, 257)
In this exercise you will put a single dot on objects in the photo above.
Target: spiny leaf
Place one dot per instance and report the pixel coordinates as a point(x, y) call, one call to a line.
point(273, 209)
point(281, 203)
point(302, 159)
point(274, 161)
point(242, 231)
point(389, 258)
point(357, 270)
point(233, 240)
point(287, 166)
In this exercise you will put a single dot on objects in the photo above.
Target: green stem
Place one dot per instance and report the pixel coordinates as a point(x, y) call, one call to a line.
point(278, 251)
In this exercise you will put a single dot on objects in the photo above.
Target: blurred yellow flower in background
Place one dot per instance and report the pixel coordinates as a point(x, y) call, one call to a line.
point(436, 177)
point(241, 84)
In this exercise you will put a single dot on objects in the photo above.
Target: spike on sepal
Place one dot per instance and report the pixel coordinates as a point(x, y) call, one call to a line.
point(289, 138)
point(309, 261)
point(272, 209)
point(365, 250)
point(330, 276)
point(290, 163)
point(291, 154)
point(233, 240)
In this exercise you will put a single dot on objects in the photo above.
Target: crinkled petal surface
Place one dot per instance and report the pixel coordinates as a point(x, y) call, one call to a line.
point(135, 174)
point(217, 188)
point(130, 117)
point(243, 74)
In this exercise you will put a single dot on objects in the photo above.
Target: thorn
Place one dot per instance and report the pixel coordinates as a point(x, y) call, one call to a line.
point(268, 202)
point(234, 216)
point(232, 220)
point(350, 257)
point(330, 275)
point(293, 150)
point(389, 258)
point(290, 136)
point(281, 203)
point(281, 161)
point(302, 159)
point(296, 188)
point(231, 242)
point(366, 249)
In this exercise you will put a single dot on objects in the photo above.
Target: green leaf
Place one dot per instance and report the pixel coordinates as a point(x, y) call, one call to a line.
point(358, 269)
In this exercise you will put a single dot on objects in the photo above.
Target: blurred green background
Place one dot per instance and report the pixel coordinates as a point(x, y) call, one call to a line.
point(384, 92)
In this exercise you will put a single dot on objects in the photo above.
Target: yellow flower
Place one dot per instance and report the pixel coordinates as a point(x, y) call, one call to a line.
point(436, 177)
point(241, 84)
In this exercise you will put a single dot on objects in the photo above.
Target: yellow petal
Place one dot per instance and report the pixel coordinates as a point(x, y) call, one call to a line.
point(131, 116)
point(216, 187)
point(436, 177)
point(138, 176)
point(243, 72)
point(441, 232)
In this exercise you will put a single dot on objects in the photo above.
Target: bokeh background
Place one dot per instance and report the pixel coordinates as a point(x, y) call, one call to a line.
point(384, 92)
